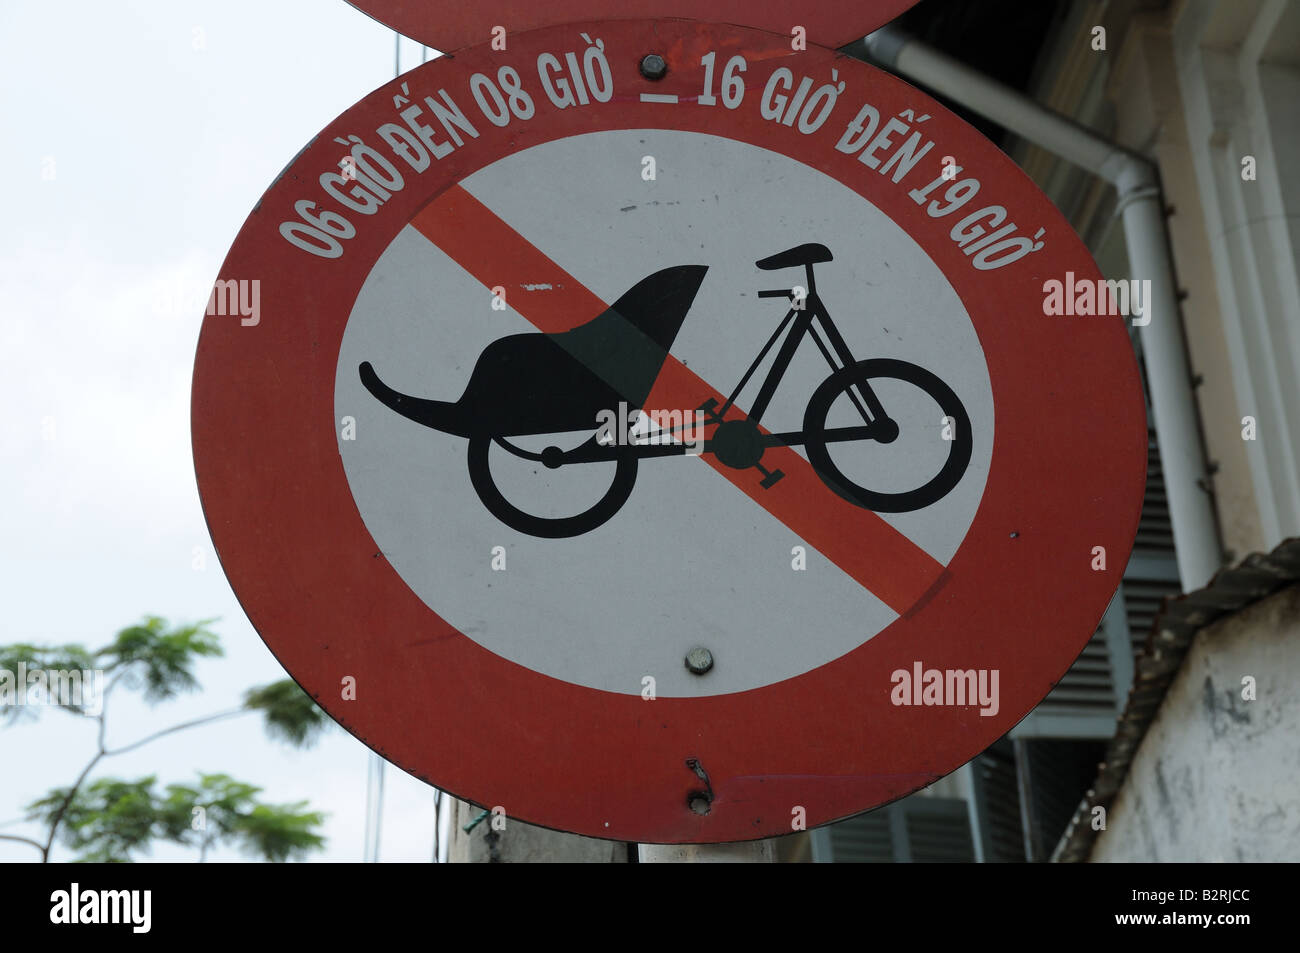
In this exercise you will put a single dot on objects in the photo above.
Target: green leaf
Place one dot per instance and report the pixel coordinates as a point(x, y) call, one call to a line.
point(223, 801)
point(159, 658)
point(232, 815)
point(108, 819)
point(288, 712)
point(64, 659)
point(281, 833)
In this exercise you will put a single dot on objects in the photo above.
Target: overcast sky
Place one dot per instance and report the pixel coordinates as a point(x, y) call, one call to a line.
point(138, 135)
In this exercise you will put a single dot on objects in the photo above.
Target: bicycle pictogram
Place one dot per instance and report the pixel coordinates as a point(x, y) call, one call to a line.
point(539, 384)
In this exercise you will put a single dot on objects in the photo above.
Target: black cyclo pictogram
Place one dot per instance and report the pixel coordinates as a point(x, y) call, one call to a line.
point(617, 356)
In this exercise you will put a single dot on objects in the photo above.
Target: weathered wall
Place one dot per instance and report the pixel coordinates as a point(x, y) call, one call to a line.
point(1217, 777)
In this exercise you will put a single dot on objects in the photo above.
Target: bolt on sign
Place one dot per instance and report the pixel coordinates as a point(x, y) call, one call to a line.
point(656, 431)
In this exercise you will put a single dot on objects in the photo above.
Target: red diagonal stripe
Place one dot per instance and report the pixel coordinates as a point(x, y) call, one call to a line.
point(862, 544)
point(498, 256)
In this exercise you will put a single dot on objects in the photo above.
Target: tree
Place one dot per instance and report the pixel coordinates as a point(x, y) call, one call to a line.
point(109, 819)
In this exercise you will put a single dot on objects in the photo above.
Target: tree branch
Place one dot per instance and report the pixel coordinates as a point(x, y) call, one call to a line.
point(106, 752)
point(63, 808)
point(23, 840)
point(181, 727)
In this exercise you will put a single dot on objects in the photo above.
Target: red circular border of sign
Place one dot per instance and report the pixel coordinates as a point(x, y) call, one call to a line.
point(1067, 474)
point(445, 25)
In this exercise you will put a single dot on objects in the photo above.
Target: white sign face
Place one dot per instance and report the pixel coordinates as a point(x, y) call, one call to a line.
point(687, 560)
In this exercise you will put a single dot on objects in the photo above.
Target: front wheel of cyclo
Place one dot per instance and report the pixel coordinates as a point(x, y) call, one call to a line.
point(957, 434)
point(480, 475)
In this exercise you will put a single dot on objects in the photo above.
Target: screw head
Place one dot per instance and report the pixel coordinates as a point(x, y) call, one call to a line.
point(699, 660)
point(699, 803)
point(653, 66)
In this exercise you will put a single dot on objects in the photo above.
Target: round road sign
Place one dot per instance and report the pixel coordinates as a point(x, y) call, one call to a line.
point(450, 26)
point(669, 460)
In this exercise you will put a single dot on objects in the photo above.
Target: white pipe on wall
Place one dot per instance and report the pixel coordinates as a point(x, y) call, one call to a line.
point(1196, 538)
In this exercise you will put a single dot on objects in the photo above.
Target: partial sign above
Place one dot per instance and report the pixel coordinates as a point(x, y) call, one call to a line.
point(448, 26)
point(670, 461)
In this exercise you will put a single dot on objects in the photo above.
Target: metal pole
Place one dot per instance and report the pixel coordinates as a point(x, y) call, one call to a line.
point(745, 852)
point(374, 807)
point(1169, 376)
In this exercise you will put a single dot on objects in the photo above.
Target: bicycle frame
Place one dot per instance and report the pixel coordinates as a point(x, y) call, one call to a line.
point(740, 443)
point(813, 310)
point(801, 322)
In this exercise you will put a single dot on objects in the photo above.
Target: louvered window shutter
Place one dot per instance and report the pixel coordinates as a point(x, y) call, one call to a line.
point(917, 829)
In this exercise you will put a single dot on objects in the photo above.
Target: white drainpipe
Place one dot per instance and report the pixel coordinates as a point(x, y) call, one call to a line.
point(1196, 539)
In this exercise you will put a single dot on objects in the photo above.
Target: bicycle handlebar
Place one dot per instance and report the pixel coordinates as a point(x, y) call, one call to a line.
point(780, 293)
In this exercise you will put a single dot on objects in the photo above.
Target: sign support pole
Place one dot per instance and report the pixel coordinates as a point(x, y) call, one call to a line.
point(743, 852)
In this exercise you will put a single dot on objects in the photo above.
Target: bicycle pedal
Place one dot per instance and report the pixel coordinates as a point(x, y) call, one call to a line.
point(771, 479)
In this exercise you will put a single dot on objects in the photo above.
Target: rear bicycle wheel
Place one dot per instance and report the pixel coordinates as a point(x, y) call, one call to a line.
point(547, 527)
point(924, 440)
